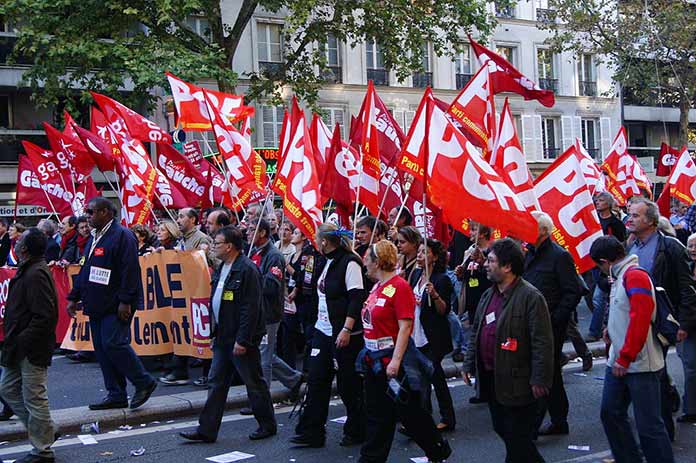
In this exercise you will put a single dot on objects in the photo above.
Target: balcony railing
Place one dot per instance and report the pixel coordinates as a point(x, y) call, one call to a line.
point(545, 15)
point(270, 68)
point(422, 79)
point(378, 76)
point(333, 75)
point(549, 84)
point(588, 88)
point(462, 80)
point(551, 153)
point(505, 12)
point(6, 46)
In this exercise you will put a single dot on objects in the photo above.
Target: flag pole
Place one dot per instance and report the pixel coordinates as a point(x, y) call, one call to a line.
point(357, 200)
point(223, 169)
point(258, 222)
point(428, 115)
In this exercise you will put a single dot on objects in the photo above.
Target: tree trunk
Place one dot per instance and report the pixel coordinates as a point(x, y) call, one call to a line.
point(684, 107)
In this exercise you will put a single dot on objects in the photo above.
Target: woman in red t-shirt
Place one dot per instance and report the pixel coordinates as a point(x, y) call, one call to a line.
point(387, 318)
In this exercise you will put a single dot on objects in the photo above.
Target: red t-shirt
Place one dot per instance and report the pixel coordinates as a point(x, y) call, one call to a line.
point(385, 306)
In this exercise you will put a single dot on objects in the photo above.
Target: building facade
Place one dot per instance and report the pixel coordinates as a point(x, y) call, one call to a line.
point(587, 102)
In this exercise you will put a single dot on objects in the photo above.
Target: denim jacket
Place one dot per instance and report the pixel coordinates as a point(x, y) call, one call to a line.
point(416, 366)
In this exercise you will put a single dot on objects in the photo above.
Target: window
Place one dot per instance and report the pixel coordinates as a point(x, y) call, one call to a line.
point(375, 63)
point(543, 12)
point(333, 116)
point(504, 11)
point(549, 129)
point(272, 125)
point(4, 112)
point(546, 70)
point(587, 75)
point(590, 136)
point(270, 46)
point(200, 26)
point(509, 53)
point(424, 78)
point(332, 52)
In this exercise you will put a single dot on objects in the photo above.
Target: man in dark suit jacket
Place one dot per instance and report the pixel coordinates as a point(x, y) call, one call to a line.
point(4, 240)
point(31, 315)
point(52, 247)
point(110, 288)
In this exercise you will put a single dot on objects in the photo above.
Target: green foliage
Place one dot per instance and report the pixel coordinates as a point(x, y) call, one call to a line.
point(124, 46)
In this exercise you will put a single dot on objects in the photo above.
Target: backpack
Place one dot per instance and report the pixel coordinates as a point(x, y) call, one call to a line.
point(665, 325)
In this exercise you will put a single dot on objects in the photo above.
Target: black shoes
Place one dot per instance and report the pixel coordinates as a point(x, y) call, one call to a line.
point(262, 434)
point(246, 411)
point(6, 414)
point(477, 400)
point(349, 441)
point(35, 459)
point(196, 437)
point(444, 452)
point(172, 380)
point(108, 404)
point(554, 430)
point(587, 361)
point(302, 440)
point(141, 396)
point(687, 419)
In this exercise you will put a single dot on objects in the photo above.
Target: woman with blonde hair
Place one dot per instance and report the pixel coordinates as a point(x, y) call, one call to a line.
point(336, 341)
point(168, 235)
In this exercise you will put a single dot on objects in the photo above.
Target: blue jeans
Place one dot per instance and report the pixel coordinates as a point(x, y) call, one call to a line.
point(112, 346)
point(600, 299)
point(687, 352)
point(456, 332)
point(643, 390)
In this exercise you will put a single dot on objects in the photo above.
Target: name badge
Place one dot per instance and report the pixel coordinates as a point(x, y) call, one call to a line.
point(509, 345)
point(473, 283)
point(98, 251)
point(380, 302)
point(99, 275)
point(82, 261)
point(379, 344)
point(490, 318)
point(228, 296)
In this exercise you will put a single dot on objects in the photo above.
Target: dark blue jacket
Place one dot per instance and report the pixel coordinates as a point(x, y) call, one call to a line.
point(116, 251)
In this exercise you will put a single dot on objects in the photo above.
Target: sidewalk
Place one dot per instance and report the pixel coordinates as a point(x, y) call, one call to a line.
point(164, 407)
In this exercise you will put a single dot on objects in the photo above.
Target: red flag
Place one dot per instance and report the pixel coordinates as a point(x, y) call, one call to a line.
point(563, 194)
point(663, 202)
point(457, 175)
point(321, 141)
point(182, 174)
point(139, 127)
point(33, 190)
point(71, 152)
point(191, 110)
point(593, 176)
point(506, 78)
point(509, 161)
point(682, 180)
point(619, 168)
point(301, 189)
point(340, 180)
point(668, 157)
point(474, 109)
point(100, 150)
point(168, 195)
point(370, 164)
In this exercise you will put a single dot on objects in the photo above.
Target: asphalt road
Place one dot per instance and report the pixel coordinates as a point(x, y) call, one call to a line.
point(473, 441)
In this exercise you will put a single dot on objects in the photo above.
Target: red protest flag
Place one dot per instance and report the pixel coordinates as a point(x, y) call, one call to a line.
point(506, 78)
point(168, 195)
point(682, 180)
point(370, 164)
point(139, 127)
point(321, 140)
point(474, 109)
point(340, 180)
point(301, 193)
point(666, 160)
point(182, 174)
point(593, 176)
point(98, 148)
point(70, 152)
point(509, 161)
point(191, 110)
point(412, 159)
point(664, 203)
point(564, 195)
point(41, 190)
point(457, 174)
point(618, 165)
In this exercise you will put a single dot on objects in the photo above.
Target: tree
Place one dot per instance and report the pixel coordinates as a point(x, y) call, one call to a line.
point(651, 46)
point(103, 45)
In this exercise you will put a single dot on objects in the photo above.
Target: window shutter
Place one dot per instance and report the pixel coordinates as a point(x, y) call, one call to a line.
point(605, 135)
point(567, 132)
point(532, 143)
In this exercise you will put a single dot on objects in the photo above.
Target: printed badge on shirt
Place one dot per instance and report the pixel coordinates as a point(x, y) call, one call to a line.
point(99, 275)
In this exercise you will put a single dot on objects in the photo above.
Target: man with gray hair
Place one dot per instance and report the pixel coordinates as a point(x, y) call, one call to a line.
point(551, 269)
point(50, 228)
point(666, 260)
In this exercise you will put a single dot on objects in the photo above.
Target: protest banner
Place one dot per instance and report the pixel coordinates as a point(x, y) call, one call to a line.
point(175, 316)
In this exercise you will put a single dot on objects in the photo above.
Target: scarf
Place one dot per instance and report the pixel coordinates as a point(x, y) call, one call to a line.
point(81, 243)
point(67, 238)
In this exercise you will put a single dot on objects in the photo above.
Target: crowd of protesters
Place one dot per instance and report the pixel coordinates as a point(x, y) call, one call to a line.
point(379, 312)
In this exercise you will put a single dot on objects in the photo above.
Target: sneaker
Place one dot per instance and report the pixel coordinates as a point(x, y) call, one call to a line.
point(587, 361)
point(592, 338)
point(458, 357)
point(201, 382)
point(173, 380)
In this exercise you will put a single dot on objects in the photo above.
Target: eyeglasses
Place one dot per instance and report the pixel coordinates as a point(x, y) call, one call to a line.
point(219, 243)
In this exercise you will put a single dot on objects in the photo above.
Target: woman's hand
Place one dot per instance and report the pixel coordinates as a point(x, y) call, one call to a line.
point(393, 368)
point(342, 339)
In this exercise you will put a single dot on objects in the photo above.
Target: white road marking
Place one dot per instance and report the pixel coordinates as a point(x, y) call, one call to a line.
point(591, 457)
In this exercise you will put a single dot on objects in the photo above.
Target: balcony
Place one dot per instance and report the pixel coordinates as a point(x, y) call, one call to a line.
point(462, 80)
point(270, 68)
point(551, 153)
point(378, 76)
point(507, 12)
point(588, 88)
point(422, 79)
point(6, 46)
point(545, 15)
point(549, 84)
point(333, 75)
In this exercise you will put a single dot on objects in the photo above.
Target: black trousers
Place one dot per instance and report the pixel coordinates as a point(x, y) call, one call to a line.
point(382, 414)
point(442, 392)
point(666, 399)
point(515, 425)
point(556, 403)
point(221, 374)
point(291, 329)
point(323, 360)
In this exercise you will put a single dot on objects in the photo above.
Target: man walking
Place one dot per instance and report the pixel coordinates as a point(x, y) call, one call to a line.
point(511, 349)
point(635, 359)
point(550, 269)
point(238, 326)
point(111, 290)
point(31, 315)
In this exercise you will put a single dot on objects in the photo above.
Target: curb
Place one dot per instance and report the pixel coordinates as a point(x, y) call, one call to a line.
point(70, 420)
